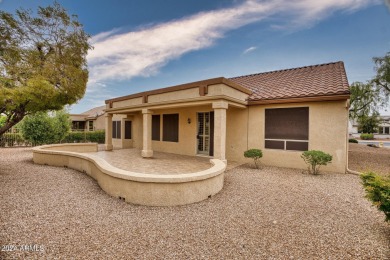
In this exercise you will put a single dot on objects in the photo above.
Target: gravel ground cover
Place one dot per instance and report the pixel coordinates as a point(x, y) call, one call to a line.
point(365, 158)
point(272, 213)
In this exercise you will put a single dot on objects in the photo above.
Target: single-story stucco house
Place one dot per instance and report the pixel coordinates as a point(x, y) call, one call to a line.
point(90, 120)
point(281, 112)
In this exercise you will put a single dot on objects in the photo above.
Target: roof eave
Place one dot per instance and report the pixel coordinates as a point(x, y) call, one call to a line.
point(300, 99)
point(208, 82)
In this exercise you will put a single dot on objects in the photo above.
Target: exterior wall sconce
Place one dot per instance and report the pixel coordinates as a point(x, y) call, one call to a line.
point(189, 120)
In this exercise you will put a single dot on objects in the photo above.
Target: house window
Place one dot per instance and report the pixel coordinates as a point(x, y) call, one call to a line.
point(387, 130)
point(116, 129)
point(90, 125)
point(127, 129)
point(287, 128)
point(380, 131)
point(156, 127)
point(171, 127)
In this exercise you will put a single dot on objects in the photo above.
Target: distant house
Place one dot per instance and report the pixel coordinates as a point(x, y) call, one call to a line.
point(90, 120)
point(281, 112)
point(383, 130)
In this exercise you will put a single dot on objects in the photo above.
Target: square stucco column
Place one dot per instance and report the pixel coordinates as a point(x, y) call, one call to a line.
point(108, 142)
point(147, 133)
point(220, 129)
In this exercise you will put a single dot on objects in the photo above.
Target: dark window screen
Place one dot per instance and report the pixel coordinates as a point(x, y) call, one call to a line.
point(271, 144)
point(287, 123)
point(113, 129)
point(387, 130)
point(127, 129)
point(297, 146)
point(171, 127)
point(156, 127)
point(118, 129)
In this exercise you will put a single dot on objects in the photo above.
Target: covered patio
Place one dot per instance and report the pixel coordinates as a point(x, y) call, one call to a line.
point(189, 119)
point(161, 163)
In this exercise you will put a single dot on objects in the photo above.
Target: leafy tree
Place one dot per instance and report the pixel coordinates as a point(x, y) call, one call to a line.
point(364, 100)
point(368, 124)
point(42, 128)
point(382, 78)
point(42, 62)
point(2, 120)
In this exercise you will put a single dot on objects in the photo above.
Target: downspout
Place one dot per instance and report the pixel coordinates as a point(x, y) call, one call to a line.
point(347, 145)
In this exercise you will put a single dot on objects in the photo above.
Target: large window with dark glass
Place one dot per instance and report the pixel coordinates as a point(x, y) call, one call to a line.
point(287, 128)
point(156, 127)
point(127, 129)
point(116, 129)
point(171, 127)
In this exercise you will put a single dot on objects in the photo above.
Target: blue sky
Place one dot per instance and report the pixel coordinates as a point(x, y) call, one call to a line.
point(149, 44)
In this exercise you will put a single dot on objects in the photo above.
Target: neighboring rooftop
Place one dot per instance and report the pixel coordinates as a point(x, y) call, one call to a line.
point(92, 113)
point(310, 81)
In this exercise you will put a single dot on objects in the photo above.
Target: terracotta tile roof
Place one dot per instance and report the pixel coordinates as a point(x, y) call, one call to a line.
point(311, 81)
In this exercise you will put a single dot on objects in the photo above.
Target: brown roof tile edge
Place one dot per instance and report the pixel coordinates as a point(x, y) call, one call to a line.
point(300, 99)
point(195, 84)
point(297, 68)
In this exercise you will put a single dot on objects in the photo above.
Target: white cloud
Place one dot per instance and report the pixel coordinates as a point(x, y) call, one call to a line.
point(250, 49)
point(120, 56)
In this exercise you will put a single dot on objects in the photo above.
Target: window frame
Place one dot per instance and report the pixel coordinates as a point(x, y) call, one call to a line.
point(116, 129)
point(287, 141)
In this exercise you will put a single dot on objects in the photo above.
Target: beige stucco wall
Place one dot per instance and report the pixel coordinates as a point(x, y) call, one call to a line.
point(327, 132)
point(128, 102)
point(176, 95)
point(133, 187)
point(222, 89)
point(245, 129)
point(187, 132)
point(99, 123)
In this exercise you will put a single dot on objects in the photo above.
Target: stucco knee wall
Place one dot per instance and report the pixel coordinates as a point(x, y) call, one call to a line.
point(139, 188)
point(328, 122)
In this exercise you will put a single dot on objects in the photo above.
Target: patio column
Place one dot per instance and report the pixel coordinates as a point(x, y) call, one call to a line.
point(220, 129)
point(108, 143)
point(147, 134)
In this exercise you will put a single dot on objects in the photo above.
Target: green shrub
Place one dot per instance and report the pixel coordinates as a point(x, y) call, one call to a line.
point(367, 136)
point(43, 128)
point(255, 154)
point(84, 137)
point(353, 140)
point(314, 159)
point(378, 191)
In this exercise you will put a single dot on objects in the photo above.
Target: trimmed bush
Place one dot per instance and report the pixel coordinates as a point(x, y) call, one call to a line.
point(378, 191)
point(367, 136)
point(85, 137)
point(353, 140)
point(314, 159)
point(255, 154)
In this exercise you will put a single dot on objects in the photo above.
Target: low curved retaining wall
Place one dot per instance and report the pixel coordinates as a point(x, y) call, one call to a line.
point(133, 187)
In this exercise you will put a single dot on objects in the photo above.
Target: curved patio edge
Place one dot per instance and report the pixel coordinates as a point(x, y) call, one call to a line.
point(133, 187)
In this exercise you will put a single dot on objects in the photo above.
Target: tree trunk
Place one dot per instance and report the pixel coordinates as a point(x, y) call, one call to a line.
point(12, 120)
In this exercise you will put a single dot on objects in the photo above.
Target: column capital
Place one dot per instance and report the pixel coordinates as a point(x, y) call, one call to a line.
point(147, 111)
point(220, 104)
point(108, 115)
